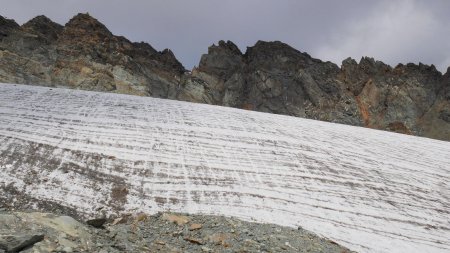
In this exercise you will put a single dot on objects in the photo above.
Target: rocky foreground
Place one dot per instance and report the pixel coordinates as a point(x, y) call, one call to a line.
point(163, 232)
point(268, 77)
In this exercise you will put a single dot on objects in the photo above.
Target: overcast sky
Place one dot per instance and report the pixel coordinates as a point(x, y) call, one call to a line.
point(391, 31)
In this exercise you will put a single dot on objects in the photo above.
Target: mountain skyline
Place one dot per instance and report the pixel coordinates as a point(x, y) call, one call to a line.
point(393, 32)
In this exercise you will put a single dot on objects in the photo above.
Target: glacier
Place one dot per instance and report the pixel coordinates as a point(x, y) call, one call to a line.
point(368, 190)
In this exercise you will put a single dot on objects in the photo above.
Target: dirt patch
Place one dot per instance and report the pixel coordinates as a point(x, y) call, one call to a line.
point(364, 111)
point(118, 196)
point(398, 127)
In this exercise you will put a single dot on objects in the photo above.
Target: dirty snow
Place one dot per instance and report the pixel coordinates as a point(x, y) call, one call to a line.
point(369, 190)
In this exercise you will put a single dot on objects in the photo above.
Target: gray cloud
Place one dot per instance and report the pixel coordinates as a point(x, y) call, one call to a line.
point(391, 31)
point(394, 31)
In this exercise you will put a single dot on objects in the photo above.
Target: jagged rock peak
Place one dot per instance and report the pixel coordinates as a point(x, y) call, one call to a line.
point(228, 46)
point(447, 74)
point(168, 52)
point(44, 26)
point(41, 21)
point(446, 83)
point(274, 48)
point(83, 23)
point(279, 53)
point(221, 60)
point(349, 61)
point(271, 47)
point(6, 26)
point(168, 57)
point(411, 69)
point(5, 22)
point(371, 66)
point(370, 61)
point(422, 67)
point(144, 46)
point(143, 51)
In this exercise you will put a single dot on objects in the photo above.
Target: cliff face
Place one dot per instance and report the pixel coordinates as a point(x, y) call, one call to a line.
point(273, 77)
point(269, 77)
point(84, 54)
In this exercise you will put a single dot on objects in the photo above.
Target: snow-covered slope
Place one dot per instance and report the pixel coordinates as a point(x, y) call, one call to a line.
point(369, 190)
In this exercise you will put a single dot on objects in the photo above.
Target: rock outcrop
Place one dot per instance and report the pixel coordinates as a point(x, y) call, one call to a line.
point(84, 54)
point(274, 77)
point(269, 77)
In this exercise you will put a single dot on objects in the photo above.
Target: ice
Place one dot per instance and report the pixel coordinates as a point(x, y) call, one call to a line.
point(369, 190)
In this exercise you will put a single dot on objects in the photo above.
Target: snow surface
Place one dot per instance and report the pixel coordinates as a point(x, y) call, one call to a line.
point(369, 190)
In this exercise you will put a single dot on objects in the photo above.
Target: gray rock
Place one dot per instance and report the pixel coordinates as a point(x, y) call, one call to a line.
point(97, 223)
point(19, 242)
point(445, 115)
point(67, 249)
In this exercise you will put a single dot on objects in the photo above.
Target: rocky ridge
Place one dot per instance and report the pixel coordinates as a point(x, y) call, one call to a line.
point(269, 77)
